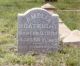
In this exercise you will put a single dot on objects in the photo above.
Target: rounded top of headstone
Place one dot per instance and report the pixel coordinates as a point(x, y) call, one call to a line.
point(48, 6)
point(36, 10)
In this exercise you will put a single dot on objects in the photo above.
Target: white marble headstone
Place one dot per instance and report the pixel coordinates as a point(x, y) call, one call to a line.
point(37, 31)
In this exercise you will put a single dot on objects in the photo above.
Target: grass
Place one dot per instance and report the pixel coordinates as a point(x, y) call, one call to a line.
point(71, 19)
point(68, 56)
point(8, 29)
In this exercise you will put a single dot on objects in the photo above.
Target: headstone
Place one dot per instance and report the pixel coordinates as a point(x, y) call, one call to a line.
point(37, 31)
point(49, 7)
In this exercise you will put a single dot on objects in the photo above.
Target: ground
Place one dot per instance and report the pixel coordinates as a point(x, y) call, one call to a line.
point(68, 56)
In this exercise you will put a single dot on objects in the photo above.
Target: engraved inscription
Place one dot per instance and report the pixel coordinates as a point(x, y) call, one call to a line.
point(37, 32)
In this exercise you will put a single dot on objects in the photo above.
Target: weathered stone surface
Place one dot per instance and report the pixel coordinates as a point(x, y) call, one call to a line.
point(37, 31)
point(48, 6)
point(72, 38)
point(64, 31)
